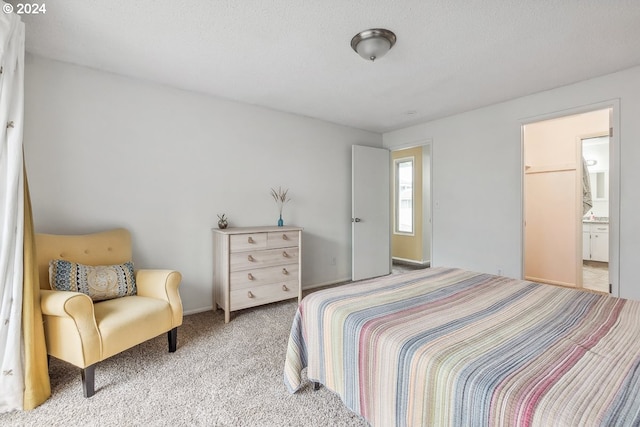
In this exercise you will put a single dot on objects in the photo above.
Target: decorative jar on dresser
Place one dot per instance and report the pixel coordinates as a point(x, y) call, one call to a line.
point(255, 266)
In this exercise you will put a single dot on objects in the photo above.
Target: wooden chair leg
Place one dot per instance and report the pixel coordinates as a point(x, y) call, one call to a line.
point(172, 335)
point(88, 380)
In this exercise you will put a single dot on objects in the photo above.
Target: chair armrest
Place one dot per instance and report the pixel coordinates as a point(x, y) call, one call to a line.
point(63, 310)
point(162, 284)
point(67, 304)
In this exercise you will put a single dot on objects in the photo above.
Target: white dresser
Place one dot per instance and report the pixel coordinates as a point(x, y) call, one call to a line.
point(255, 266)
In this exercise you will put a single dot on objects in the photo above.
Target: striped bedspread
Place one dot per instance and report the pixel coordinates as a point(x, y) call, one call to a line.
point(448, 347)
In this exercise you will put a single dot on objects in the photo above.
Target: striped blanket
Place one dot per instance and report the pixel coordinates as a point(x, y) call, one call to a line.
point(448, 347)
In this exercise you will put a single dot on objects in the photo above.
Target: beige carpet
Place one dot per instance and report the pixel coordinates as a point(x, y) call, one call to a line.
point(221, 375)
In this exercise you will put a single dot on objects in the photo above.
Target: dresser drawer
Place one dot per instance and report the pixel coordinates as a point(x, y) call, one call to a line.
point(596, 227)
point(255, 259)
point(250, 297)
point(599, 228)
point(247, 242)
point(285, 239)
point(263, 276)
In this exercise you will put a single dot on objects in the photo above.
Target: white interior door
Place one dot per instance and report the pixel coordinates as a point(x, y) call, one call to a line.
point(370, 213)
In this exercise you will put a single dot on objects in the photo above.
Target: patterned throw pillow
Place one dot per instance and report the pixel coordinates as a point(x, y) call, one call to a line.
point(100, 282)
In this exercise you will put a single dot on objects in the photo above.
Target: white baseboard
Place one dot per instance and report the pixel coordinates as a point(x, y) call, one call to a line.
point(329, 283)
point(316, 285)
point(304, 288)
point(197, 310)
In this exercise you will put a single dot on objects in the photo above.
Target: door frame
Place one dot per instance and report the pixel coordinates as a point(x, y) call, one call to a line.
point(428, 221)
point(614, 180)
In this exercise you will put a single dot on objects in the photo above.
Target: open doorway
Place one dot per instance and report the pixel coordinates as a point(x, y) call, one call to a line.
point(411, 207)
point(562, 233)
point(595, 222)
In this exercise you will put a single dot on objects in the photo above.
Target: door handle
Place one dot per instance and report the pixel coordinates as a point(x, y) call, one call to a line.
point(356, 220)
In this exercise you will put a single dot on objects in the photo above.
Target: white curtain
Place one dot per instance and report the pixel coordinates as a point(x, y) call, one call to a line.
point(11, 211)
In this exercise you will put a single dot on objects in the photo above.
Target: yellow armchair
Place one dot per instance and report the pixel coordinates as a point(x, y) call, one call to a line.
point(83, 332)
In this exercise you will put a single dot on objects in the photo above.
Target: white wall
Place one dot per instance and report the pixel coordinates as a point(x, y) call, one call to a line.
point(477, 176)
point(108, 151)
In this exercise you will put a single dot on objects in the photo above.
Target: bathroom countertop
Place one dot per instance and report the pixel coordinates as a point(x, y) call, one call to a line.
point(596, 220)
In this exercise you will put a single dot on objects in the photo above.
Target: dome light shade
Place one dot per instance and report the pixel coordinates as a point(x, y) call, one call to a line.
point(373, 44)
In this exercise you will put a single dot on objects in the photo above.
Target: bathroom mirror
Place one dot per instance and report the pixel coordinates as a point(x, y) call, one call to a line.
point(599, 185)
point(595, 152)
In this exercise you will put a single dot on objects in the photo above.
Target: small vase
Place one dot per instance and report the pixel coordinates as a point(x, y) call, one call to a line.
point(222, 224)
point(280, 222)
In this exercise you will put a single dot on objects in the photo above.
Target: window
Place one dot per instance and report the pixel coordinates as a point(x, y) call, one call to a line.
point(403, 195)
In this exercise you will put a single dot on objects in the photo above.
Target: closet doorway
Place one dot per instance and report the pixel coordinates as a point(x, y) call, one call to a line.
point(411, 206)
point(562, 212)
point(595, 223)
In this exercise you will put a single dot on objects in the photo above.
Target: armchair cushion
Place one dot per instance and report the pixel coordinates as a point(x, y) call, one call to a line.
point(125, 322)
point(101, 282)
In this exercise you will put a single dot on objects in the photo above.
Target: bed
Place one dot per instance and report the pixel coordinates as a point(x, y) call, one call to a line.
point(449, 347)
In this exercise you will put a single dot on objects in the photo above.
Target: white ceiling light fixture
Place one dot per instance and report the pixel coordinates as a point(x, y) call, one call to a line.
point(374, 43)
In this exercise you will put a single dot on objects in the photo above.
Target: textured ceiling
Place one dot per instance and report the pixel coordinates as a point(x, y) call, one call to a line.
point(294, 56)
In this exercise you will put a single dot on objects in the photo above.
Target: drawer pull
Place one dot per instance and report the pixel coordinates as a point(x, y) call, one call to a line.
point(250, 240)
point(284, 271)
point(250, 276)
point(250, 258)
point(285, 254)
point(250, 295)
point(284, 288)
point(285, 237)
